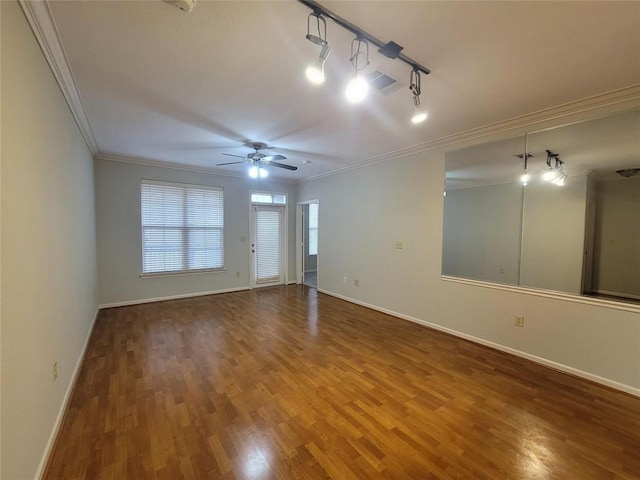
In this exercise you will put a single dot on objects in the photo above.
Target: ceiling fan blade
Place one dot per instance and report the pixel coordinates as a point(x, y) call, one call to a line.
point(228, 163)
point(232, 155)
point(270, 158)
point(282, 165)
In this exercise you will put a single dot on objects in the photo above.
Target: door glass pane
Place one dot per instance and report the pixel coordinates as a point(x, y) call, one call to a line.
point(268, 239)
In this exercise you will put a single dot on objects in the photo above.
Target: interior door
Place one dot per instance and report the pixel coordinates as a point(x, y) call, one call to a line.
point(267, 246)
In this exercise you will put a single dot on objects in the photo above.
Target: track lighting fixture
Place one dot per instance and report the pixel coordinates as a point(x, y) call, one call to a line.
point(559, 180)
point(525, 177)
point(554, 174)
point(419, 115)
point(358, 88)
point(315, 73)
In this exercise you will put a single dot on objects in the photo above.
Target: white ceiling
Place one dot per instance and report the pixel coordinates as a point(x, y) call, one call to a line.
point(160, 84)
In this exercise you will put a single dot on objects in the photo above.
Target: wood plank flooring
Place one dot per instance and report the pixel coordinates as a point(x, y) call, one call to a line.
point(285, 383)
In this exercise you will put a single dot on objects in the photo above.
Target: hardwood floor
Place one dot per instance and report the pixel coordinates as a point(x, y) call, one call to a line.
point(285, 383)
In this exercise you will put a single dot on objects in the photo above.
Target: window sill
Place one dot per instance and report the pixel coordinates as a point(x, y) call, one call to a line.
point(182, 273)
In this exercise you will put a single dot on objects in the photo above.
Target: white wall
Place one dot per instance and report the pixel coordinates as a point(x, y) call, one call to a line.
point(119, 232)
point(553, 235)
point(48, 248)
point(482, 232)
point(617, 252)
point(401, 199)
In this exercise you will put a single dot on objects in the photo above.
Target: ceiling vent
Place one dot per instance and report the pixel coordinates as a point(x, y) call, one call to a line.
point(379, 80)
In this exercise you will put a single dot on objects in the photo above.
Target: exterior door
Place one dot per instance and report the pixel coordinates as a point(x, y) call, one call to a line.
point(267, 247)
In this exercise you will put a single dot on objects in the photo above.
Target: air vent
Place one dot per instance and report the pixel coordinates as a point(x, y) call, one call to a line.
point(380, 80)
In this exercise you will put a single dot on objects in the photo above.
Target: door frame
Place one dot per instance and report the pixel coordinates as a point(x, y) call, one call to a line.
point(252, 237)
point(300, 224)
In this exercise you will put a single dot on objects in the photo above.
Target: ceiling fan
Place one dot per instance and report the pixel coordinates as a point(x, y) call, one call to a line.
point(258, 159)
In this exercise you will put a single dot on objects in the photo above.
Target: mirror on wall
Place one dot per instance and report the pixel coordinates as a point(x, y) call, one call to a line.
point(579, 234)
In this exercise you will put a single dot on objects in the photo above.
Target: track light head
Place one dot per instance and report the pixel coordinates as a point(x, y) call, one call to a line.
point(315, 73)
point(357, 89)
point(550, 175)
point(419, 115)
point(560, 180)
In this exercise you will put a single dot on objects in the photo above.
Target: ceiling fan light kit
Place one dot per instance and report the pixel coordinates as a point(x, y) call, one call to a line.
point(259, 161)
point(358, 88)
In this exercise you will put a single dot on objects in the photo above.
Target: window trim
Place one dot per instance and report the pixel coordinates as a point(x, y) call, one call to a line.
point(170, 273)
point(263, 192)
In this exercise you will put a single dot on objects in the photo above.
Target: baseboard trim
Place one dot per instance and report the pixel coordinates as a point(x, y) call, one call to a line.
point(65, 403)
point(171, 297)
point(518, 353)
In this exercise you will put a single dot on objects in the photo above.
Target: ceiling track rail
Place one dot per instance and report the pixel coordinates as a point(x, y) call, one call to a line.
point(389, 49)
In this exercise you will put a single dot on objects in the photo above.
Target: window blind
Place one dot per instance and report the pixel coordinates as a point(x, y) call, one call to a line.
point(268, 233)
point(182, 227)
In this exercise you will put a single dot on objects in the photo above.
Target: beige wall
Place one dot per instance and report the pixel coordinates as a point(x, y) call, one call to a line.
point(482, 232)
point(119, 233)
point(48, 248)
point(617, 252)
point(553, 235)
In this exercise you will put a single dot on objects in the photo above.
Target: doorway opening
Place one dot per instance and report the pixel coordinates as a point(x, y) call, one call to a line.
point(308, 215)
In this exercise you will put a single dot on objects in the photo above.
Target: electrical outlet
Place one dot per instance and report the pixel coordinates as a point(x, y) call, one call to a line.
point(356, 283)
point(344, 279)
point(518, 321)
point(237, 274)
point(399, 245)
point(55, 371)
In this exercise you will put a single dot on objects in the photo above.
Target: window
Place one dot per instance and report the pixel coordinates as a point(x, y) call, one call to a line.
point(182, 227)
point(273, 198)
point(313, 229)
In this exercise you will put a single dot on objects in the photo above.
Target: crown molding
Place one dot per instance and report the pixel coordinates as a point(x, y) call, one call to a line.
point(602, 104)
point(41, 21)
point(179, 166)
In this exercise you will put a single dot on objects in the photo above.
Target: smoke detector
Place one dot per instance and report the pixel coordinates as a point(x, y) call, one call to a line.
point(184, 5)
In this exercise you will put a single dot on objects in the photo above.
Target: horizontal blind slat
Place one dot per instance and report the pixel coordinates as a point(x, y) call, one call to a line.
point(182, 227)
point(267, 246)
